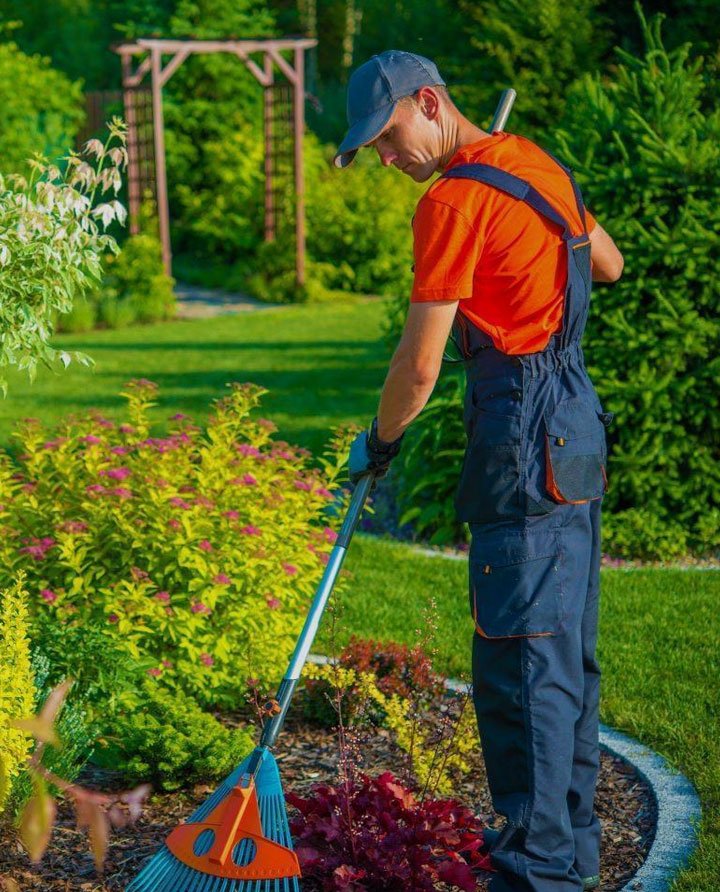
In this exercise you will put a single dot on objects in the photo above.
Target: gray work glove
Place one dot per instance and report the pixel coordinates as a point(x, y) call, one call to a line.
point(371, 455)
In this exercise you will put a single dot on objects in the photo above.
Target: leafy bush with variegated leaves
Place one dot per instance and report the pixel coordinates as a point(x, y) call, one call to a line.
point(199, 549)
point(51, 241)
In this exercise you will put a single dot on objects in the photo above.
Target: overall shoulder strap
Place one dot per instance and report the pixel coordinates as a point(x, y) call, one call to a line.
point(512, 185)
point(576, 189)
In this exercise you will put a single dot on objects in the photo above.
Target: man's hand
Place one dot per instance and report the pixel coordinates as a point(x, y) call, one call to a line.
point(371, 455)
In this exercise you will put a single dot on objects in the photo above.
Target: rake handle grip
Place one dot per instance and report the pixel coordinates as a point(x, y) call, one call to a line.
point(307, 636)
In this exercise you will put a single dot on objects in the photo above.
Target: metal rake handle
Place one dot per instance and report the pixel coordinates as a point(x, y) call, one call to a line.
point(302, 648)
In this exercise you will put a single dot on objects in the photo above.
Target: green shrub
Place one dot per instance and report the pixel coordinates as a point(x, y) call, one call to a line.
point(359, 223)
point(75, 729)
point(41, 110)
point(169, 740)
point(198, 550)
point(649, 158)
point(134, 288)
point(527, 46)
point(359, 237)
point(82, 317)
point(16, 682)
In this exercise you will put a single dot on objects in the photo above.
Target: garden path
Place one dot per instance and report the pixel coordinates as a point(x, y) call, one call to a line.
point(194, 302)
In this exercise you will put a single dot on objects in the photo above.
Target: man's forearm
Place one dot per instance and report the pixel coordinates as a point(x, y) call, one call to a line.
point(404, 395)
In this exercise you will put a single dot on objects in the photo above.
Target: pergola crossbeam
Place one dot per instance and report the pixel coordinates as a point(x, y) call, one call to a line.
point(172, 66)
point(153, 50)
point(283, 65)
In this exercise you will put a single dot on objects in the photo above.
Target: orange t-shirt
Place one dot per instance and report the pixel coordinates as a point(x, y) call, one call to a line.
point(506, 263)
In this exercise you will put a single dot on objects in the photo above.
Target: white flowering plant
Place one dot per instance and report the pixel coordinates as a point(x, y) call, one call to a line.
point(52, 237)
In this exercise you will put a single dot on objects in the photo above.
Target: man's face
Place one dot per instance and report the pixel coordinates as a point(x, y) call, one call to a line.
point(410, 141)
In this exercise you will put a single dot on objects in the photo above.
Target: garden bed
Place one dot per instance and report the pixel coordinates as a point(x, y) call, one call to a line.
point(308, 755)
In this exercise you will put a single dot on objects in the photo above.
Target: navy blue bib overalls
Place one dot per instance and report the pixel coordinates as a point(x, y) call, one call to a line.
point(531, 487)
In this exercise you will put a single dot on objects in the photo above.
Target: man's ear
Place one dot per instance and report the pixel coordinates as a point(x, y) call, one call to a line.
point(429, 102)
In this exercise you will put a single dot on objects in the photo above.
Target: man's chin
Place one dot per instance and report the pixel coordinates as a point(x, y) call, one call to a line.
point(419, 172)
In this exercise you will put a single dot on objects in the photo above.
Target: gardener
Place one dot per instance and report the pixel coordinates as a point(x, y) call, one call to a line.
point(504, 255)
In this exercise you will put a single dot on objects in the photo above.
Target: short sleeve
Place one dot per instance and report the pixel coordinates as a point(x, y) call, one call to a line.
point(446, 250)
point(590, 222)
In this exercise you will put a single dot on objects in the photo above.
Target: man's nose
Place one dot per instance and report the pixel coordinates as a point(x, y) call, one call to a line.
point(387, 156)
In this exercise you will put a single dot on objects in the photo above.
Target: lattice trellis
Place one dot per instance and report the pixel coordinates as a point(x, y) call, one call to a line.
point(284, 122)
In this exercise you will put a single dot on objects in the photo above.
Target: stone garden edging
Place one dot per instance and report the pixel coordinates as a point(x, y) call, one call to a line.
point(677, 802)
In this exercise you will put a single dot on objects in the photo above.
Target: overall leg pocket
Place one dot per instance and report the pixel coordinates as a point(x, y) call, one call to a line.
point(575, 452)
point(515, 584)
point(488, 488)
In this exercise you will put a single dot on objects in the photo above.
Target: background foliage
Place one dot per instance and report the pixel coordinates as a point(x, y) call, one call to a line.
point(645, 110)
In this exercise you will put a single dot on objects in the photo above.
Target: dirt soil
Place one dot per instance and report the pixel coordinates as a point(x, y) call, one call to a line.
point(306, 755)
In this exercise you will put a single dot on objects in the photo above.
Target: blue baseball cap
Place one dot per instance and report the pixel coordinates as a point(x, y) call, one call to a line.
point(373, 92)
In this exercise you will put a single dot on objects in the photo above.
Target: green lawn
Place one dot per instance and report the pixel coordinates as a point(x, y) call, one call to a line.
point(659, 649)
point(323, 364)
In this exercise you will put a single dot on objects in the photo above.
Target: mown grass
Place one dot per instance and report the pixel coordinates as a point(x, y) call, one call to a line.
point(323, 364)
point(659, 649)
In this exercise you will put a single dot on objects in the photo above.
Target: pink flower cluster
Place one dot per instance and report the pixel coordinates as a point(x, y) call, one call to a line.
point(199, 607)
point(247, 449)
point(74, 526)
point(116, 473)
point(48, 595)
point(206, 659)
point(37, 548)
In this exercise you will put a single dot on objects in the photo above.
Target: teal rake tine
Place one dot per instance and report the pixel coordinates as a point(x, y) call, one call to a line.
point(254, 785)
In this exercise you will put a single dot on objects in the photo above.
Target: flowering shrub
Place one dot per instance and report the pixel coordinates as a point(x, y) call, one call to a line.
point(16, 684)
point(51, 243)
point(198, 550)
point(373, 834)
point(170, 741)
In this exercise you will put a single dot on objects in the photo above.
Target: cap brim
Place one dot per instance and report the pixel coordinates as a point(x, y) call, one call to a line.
point(361, 132)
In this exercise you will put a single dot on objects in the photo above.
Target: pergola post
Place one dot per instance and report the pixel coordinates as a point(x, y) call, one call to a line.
point(299, 109)
point(267, 126)
point(132, 146)
point(160, 172)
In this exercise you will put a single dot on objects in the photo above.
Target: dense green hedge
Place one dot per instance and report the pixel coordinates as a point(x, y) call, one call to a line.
point(649, 159)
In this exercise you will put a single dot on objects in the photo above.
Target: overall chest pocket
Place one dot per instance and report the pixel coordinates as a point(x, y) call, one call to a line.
point(575, 451)
point(515, 584)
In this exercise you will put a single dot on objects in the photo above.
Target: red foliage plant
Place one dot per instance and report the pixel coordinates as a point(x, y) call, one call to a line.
point(372, 834)
point(399, 669)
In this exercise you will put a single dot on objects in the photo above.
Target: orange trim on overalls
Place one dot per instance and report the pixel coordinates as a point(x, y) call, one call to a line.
point(551, 483)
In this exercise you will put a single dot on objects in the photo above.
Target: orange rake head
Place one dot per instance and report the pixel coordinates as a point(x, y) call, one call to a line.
point(240, 836)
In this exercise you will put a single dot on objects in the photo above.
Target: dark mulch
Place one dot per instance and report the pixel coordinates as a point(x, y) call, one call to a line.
point(308, 755)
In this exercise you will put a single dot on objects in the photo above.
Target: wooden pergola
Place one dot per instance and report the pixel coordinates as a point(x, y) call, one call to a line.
point(264, 72)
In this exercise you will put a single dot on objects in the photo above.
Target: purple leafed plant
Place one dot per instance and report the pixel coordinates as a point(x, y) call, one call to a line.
point(373, 834)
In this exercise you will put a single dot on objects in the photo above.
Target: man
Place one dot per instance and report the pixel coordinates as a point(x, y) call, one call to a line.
point(504, 255)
